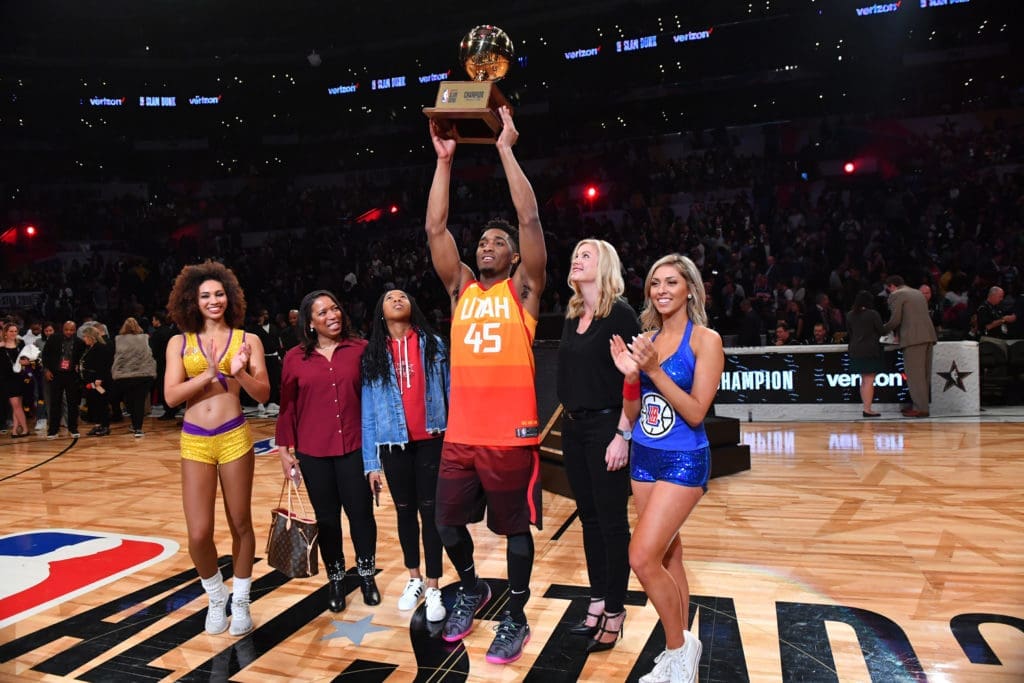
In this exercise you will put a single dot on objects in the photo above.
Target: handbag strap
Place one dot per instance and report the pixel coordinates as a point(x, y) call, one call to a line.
point(298, 496)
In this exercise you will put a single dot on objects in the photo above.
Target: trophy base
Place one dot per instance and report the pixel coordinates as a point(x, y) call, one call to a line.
point(468, 111)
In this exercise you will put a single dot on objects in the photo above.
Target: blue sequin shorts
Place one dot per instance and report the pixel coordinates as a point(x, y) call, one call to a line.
point(686, 468)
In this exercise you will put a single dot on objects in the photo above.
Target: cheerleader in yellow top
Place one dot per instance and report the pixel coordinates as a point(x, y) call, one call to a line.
point(206, 368)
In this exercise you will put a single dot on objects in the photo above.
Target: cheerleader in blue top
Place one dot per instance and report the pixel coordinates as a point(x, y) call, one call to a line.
point(672, 373)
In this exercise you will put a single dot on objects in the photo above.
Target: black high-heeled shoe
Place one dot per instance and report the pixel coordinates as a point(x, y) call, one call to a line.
point(597, 645)
point(581, 628)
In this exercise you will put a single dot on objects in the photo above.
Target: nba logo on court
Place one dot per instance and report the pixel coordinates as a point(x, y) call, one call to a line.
point(47, 567)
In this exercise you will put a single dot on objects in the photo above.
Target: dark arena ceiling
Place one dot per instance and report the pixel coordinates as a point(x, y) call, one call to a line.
point(242, 73)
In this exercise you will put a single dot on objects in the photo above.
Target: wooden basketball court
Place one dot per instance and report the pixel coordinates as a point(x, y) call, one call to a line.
point(889, 550)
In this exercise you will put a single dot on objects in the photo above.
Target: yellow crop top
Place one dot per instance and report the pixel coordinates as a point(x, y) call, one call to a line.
point(195, 362)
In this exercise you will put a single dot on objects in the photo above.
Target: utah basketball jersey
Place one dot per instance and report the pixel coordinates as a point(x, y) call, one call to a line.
point(493, 400)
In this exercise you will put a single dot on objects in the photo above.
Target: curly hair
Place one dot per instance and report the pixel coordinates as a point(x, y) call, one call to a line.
point(183, 303)
point(306, 333)
point(377, 361)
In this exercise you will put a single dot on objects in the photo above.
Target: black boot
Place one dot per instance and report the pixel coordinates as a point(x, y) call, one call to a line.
point(336, 586)
point(367, 567)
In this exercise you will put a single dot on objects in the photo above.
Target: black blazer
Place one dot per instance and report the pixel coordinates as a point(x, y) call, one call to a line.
point(51, 353)
point(97, 362)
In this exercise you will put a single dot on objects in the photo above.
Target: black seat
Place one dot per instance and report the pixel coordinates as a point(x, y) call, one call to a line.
point(995, 372)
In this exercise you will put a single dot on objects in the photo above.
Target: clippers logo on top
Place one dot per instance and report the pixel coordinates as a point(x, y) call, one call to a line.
point(44, 568)
point(657, 416)
point(493, 400)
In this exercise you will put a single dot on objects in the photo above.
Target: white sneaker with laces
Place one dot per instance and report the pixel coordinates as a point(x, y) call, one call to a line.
point(411, 595)
point(241, 618)
point(435, 607)
point(660, 672)
point(690, 659)
point(216, 613)
point(273, 409)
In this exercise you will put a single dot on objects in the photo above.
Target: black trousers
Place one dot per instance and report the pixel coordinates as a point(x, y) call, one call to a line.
point(274, 375)
point(335, 483)
point(134, 390)
point(99, 407)
point(160, 371)
point(412, 478)
point(64, 384)
point(601, 498)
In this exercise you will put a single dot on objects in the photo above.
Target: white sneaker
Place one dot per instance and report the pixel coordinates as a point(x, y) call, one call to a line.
point(690, 659)
point(41, 425)
point(273, 409)
point(261, 411)
point(216, 613)
point(411, 595)
point(660, 672)
point(435, 607)
point(241, 619)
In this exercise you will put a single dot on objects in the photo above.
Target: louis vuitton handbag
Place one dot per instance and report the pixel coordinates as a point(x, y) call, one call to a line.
point(292, 542)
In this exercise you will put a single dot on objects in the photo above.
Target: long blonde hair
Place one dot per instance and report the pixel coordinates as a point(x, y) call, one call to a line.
point(610, 284)
point(650, 319)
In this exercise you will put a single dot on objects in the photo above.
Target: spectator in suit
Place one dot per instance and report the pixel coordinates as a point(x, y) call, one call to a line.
point(934, 306)
point(163, 330)
point(910, 320)
point(290, 334)
point(61, 356)
point(268, 334)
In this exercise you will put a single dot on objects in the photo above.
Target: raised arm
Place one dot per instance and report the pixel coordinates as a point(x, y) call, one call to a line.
point(444, 253)
point(531, 274)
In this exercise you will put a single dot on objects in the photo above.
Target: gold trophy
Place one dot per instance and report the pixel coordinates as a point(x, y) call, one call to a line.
point(467, 111)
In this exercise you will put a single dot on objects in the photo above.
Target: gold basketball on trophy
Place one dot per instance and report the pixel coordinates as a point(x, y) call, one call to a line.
point(468, 110)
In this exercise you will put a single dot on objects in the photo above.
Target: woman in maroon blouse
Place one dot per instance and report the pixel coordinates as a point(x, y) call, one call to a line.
point(319, 431)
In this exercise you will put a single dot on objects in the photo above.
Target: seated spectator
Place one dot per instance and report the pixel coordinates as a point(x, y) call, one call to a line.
point(994, 319)
point(820, 335)
point(783, 336)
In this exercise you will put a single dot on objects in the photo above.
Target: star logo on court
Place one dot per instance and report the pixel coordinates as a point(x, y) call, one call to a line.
point(954, 378)
point(354, 631)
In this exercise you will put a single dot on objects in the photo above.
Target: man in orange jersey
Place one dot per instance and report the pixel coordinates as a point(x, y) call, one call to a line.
point(491, 444)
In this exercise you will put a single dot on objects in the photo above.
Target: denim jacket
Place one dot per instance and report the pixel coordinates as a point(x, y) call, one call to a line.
point(383, 413)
